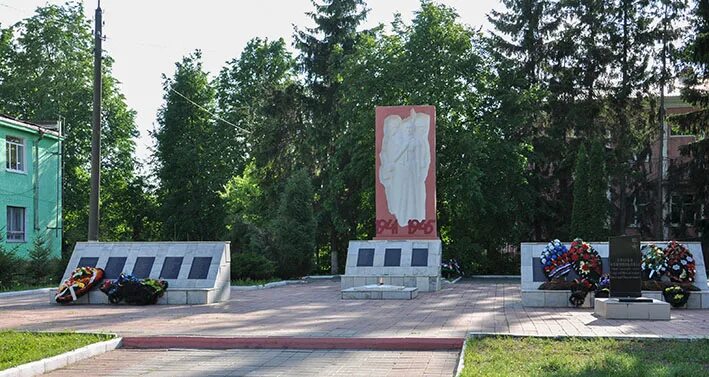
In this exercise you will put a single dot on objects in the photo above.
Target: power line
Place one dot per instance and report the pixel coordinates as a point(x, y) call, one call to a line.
point(209, 112)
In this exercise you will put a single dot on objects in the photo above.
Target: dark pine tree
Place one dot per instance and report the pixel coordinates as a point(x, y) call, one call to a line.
point(187, 162)
point(323, 50)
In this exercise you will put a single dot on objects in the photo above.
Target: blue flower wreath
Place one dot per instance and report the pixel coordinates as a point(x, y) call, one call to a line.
point(555, 260)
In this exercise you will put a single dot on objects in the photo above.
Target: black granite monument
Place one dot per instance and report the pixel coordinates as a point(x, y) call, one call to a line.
point(625, 259)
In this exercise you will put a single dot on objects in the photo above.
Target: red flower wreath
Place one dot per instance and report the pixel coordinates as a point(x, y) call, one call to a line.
point(681, 266)
point(587, 263)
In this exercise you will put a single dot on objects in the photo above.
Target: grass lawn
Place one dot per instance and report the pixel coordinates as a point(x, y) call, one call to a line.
point(17, 348)
point(254, 282)
point(24, 287)
point(507, 356)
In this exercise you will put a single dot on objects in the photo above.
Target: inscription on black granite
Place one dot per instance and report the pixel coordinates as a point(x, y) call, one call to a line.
point(171, 268)
point(143, 266)
point(365, 258)
point(114, 267)
point(392, 257)
point(87, 262)
point(200, 267)
point(419, 258)
point(625, 259)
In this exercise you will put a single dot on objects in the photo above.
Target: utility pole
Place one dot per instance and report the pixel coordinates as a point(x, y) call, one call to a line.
point(96, 131)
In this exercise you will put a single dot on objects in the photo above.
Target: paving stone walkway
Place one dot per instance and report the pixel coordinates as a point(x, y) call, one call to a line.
point(315, 310)
point(182, 363)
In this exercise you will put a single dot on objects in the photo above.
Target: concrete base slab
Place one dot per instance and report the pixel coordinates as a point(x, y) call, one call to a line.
point(380, 292)
point(613, 308)
point(177, 296)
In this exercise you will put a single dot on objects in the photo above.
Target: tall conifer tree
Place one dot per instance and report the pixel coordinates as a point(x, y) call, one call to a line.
point(323, 50)
point(187, 162)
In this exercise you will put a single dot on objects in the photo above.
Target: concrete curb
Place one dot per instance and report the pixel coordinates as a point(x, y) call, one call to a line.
point(49, 364)
point(461, 359)
point(449, 282)
point(26, 292)
point(197, 342)
point(275, 284)
point(496, 277)
point(477, 335)
point(323, 277)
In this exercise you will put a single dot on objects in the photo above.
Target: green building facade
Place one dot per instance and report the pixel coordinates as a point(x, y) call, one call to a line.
point(30, 185)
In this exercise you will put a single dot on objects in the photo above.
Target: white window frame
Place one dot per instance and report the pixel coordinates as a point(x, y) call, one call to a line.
point(23, 231)
point(20, 154)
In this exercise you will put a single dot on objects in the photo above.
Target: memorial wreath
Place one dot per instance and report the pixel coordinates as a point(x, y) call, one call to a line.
point(78, 284)
point(555, 260)
point(681, 266)
point(654, 262)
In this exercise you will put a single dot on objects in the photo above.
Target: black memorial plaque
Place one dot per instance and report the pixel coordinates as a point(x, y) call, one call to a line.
point(114, 267)
point(87, 262)
point(625, 258)
point(419, 257)
point(200, 268)
point(392, 257)
point(365, 258)
point(171, 268)
point(143, 266)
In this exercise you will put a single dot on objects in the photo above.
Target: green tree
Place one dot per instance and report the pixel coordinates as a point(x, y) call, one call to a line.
point(323, 50)
point(187, 161)
point(581, 211)
point(10, 265)
point(522, 32)
point(294, 228)
point(598, 205)
point(247, 214)
point(696, 73)
point(46, 72)
point(41, 267)
point(480, 158)
point(629, 124)
point(243, 88)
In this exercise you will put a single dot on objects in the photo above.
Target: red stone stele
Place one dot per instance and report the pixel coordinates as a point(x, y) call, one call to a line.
point(386, 226)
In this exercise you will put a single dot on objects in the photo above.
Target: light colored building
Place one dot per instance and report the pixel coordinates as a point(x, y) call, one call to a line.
point(30, 185)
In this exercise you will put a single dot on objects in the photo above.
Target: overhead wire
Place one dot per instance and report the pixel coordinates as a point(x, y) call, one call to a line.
point(210, 113)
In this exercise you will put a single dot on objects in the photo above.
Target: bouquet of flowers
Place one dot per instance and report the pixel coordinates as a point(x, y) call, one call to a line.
point(654, 262)
point(680, 263)
point(135, 291)
point(555, 260)
point(586, 262)
point(603, 288)
point(676, 296)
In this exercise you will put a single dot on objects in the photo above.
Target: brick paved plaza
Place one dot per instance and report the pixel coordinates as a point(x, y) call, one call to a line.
point(315, 310)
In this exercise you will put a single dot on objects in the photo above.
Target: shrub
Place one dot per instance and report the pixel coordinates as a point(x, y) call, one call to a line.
point(293, 228)
point(41, 267)
point(11, 267)
point(251, 266)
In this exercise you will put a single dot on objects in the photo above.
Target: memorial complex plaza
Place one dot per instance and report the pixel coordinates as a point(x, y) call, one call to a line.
point(517, 188)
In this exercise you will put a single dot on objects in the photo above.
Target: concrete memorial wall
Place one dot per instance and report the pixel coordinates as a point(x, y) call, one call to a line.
point(197, 272)
point(533, 276)
point(406, 250)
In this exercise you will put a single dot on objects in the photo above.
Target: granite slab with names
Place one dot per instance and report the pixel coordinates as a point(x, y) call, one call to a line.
point(196, 272)
point(626, 285)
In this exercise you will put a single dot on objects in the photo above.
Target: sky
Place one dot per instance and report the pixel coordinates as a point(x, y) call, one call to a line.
point(147, 37)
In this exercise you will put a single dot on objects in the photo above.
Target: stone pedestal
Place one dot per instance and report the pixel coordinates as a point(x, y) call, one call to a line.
point(408, 263)
point(379, 292)
point(613, 308)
